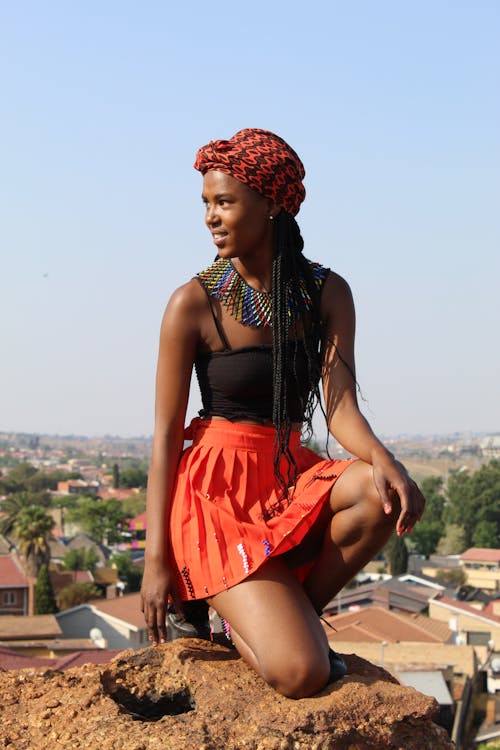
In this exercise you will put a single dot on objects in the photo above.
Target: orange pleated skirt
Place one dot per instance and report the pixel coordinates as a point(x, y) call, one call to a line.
point(226, 516)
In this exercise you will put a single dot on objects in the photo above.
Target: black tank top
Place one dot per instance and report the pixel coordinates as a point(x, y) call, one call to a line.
point(238, 383)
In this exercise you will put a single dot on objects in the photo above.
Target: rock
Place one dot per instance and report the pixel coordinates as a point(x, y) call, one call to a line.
point(195, 695)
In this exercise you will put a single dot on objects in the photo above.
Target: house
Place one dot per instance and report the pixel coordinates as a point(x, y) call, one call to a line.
point(137, 529)
point(104, 578)
point(84, 541)
point(28, 630)
point(78, 487)
point(120, 493)
point(377, 625)
point(471, 625)
point(11, 659)
point(14, 586)
point(482, 567)
point(120, 621)
point(390, 594)
point(62, 578)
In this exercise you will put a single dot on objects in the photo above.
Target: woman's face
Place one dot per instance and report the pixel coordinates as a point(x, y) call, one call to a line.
point(236, 216)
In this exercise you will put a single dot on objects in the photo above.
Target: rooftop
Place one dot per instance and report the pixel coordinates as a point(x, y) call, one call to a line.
point(9, 659)
point(376, 624)
point(481, 554)
point(11, 573)
point(16, 628)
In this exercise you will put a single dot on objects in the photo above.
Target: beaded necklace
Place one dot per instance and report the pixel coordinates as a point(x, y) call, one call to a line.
point(249, 306)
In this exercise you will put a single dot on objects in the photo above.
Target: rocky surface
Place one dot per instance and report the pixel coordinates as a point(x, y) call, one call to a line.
point(194, 695)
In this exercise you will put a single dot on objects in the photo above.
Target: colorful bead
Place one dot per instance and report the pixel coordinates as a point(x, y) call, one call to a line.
point(241, 549)
point(226, 628)
point(249, 306)
point(267, 547)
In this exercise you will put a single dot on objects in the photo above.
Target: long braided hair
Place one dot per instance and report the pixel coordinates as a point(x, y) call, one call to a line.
point(289, 268)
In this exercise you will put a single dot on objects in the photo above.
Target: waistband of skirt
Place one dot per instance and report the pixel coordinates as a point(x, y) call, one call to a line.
point(239, 435)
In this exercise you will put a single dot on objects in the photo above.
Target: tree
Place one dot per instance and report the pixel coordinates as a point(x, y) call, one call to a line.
point(453, 541)
point(32, 529)
point(116, 476)
point(12, 505)
point(101, 519)
point(16, 479)
point(486, 535)
point(75, 594)
point(134, 505)
point(473, 499)
point(455, 577)
point(134, 477)
point(127, 571)
point(426, 535)
point(80, 559)
point(396, 553)
point(45, 600)
point(432, 490)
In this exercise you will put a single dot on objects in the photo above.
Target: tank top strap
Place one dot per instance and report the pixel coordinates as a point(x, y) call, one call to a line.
point(217, 323)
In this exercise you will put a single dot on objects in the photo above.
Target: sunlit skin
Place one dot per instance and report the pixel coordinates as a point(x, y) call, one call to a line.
point(273, 619)
point(239, 221)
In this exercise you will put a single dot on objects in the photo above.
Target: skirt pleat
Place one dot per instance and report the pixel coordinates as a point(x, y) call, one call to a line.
point(226, 516)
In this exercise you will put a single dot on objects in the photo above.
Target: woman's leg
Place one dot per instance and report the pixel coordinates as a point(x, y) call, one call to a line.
point(276, 630)
point(358, 529)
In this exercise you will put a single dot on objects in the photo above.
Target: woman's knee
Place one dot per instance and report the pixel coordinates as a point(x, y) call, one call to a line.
point(300, 677)
point(362, 496)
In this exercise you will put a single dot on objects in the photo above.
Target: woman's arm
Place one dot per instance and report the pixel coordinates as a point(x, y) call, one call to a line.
point(345, 421)
point(179, 338)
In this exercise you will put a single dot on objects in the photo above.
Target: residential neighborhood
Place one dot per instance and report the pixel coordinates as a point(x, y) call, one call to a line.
point(432, 620)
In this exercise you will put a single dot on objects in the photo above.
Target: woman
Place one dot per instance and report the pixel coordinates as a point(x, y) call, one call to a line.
point(264, 530)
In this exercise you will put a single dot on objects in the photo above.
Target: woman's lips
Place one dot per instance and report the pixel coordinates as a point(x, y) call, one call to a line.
point(219, 238)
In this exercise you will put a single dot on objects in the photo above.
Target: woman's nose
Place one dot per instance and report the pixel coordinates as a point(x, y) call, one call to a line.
point(211, 215)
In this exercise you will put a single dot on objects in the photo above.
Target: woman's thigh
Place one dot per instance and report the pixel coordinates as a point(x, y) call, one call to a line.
point(276, 629)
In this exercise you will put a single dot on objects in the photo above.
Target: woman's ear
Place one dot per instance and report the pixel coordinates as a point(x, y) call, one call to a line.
point(273, 210)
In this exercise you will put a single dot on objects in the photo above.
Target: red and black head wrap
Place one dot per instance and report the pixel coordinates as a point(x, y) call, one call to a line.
point(261, 160)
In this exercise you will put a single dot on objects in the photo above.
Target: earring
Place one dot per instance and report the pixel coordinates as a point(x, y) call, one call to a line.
point(271, 217)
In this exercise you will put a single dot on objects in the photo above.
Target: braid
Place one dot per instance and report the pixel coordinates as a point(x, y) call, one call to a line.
point(289, 267)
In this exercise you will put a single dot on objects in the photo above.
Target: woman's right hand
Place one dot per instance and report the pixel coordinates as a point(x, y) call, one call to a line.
point(157, 584)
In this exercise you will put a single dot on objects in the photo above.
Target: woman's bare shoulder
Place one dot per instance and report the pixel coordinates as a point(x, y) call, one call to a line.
point(336, 291)
point(187, 299)
point(185, 306)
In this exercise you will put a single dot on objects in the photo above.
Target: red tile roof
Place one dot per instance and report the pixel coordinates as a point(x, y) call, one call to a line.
point(106, 493)
point(467, 608)
point(377, 624)
point(9, 659)
point(11, 574)
point(481, 554)
point(139, 522)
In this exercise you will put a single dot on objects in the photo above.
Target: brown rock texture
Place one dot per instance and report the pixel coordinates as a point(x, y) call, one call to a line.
point(194, 695)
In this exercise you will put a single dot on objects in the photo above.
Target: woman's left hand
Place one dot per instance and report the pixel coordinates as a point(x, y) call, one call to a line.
point(391, 477)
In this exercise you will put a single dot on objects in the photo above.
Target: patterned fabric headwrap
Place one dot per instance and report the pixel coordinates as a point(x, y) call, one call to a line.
point(261, 160)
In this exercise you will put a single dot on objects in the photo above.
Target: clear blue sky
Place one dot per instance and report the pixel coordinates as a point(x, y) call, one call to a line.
point(394, 109)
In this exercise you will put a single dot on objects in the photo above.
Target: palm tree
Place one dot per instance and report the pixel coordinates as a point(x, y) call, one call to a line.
point(11, 506)
point(32, 529)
